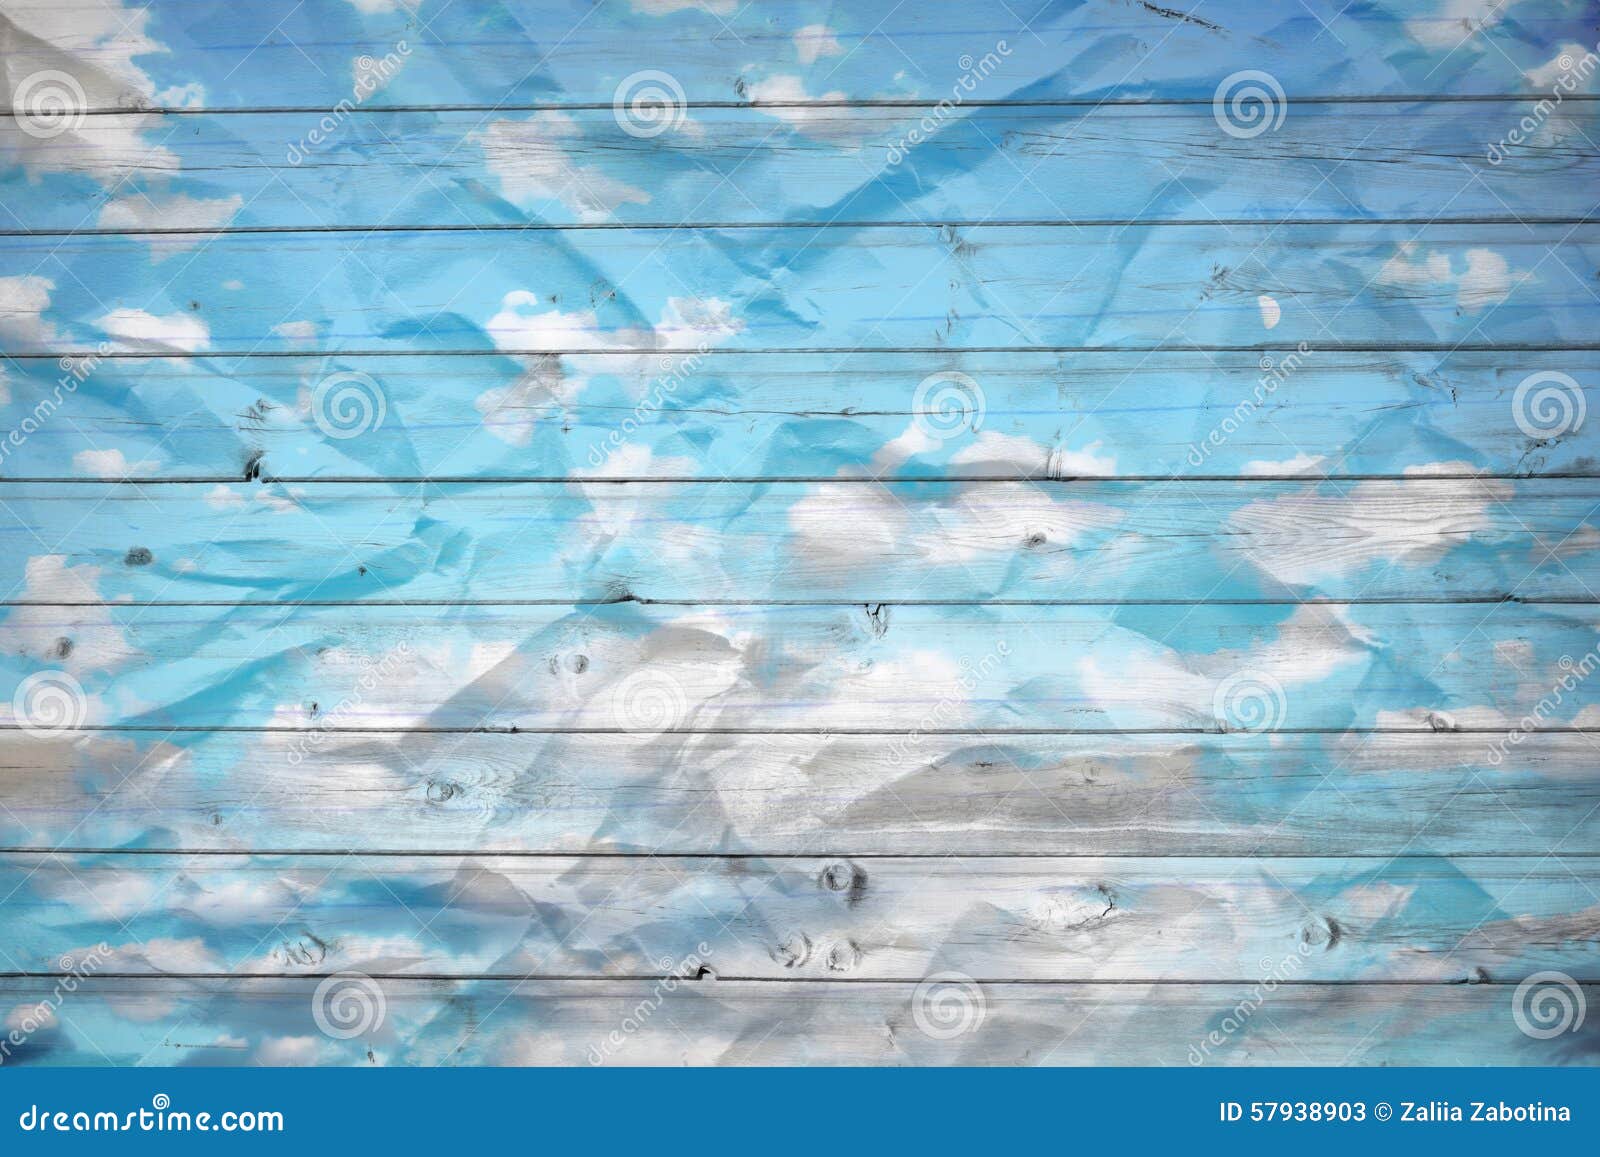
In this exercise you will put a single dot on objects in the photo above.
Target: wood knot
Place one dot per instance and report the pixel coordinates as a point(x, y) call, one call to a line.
point(792, 951)
point(843, 956)
point(138, 556)
point(845, 877)
point(441, 790)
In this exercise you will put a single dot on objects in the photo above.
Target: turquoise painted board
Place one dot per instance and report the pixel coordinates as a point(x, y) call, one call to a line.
point(883, 532)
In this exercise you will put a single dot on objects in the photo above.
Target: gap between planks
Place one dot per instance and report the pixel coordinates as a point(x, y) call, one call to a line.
point(932, 223)
point(1334, 347)
point(646, 977)
point(865, 102)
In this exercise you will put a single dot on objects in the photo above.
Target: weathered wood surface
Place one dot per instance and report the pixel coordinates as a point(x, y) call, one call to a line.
point(661, 669)
point(926, 287)
point(821, 917)
point(564, 52)
point(166, 1021)
point(1245, 794)
point(853, 540)
point(529, 498)
point(1121, 162)
point(788, 415)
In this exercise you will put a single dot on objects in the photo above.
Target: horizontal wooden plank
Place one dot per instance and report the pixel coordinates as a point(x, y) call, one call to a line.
point(821, 917)
point(784, 794)
point(1122, 162)
point(539, 293)
point(675, 670)
point(787, 415)
point(165, 1021)
point(852, 541)
point(572, 51)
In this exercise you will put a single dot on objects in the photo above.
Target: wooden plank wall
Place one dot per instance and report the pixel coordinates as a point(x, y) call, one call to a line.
point(689, 532)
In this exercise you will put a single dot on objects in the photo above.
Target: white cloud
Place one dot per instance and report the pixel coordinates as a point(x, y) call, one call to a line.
point(296, 330)
point(142, 330)
point(96, 641)
point(1455, 22)
point(532, 162)
point(1485, 281)
point(23, 301)
point(373, 7)
point(1314, 537)
point(1129, 675)
point(511, 412)
point(871, 526)
point(1563, 64)
point(111, 464)
point(96, 46)
point(1299, 464)
point(822, 123)
point(816, 40)
point(179, 212)
point(664, 7)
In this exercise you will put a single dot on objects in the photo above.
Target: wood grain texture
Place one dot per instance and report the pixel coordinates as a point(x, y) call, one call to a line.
point(176, 1021)
point(667, 532)
point(308, 670)
point(789, 415)
point(1243, 795)
point(819, 917)
point(564, 52)
point(1026, 287)
point(1121, 162)
point(859, 541)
